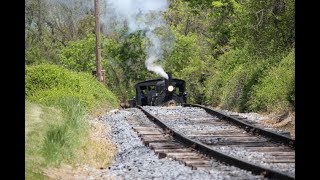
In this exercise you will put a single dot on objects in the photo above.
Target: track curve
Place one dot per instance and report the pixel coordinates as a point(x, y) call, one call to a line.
point(199, 143)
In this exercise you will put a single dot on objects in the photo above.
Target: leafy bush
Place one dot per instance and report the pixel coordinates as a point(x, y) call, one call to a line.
point(226, 74)
point(237, 77)
point(275, 91)
point(236, 92)
point(48, 84)
point(33, 56)
point(185, 63)
point(79, 55)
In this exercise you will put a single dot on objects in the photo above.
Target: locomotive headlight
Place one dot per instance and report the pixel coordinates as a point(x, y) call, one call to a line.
point(170, 88)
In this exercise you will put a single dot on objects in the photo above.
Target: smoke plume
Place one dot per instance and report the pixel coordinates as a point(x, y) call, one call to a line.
point(140, 15)
point(151, 66)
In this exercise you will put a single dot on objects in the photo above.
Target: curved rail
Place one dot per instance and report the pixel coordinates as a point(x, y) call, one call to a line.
point(256, 169)
point(248, 127)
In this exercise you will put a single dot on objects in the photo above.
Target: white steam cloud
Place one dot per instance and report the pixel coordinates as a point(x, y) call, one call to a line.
point(140, 15)
point(151, 66)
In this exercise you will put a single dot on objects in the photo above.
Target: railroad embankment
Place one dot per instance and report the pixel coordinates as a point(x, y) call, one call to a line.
point(60, 127)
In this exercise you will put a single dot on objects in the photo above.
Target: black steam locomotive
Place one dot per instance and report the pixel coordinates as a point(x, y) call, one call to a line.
point(160, 92)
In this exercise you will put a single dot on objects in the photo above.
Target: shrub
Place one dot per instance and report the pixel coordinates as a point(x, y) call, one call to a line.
point(46, 83)
point(226, 74)
point(185, 62)
point(244, 83)
point(275, 91)
point(79, 55)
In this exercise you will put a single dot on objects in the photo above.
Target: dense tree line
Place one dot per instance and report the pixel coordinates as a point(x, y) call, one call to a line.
point(236, 54)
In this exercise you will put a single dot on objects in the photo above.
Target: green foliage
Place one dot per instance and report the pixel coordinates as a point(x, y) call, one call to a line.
point(185, 63)
point(267, 26)
point(125, 54)
point(38, 119)
point(246, 39)
point(46, 50)
point(132, 56)
point(47, 84)
point(85, 26)
point(51, 25)
point(33, 56)
point(200, 3)
point(236, 76)
point(238, 86)
point(122, 56)
point(228, 51)
point(221, 73)
point(79, 55)
point(185, 53)
point(217, 4)
point(56, 127)
point(275, 91)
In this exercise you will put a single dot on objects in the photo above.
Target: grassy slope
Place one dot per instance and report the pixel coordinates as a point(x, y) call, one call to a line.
point(57, 127)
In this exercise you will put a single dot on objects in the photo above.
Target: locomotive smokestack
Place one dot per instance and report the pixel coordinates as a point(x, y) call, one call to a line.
point(168, 81)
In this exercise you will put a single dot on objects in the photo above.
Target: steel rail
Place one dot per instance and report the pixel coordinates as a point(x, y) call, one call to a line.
point(242, 164)
point(248, 127)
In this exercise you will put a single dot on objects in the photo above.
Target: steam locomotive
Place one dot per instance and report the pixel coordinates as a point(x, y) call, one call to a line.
point(160, 92)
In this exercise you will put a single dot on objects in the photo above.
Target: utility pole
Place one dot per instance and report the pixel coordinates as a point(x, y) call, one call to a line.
point(98, 48)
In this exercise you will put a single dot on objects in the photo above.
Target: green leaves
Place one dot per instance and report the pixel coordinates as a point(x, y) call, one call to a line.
point(228, 51)
point(275, 91)
point(185, 62)
point(217, 4)
point(79, 55)
point(48, 84)
point(241, 82)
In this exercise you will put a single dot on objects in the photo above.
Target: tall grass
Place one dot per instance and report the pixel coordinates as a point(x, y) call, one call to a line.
point(39, 120)
point(61, 140)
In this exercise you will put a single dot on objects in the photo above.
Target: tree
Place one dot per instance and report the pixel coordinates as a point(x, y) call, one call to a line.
point(51, 25)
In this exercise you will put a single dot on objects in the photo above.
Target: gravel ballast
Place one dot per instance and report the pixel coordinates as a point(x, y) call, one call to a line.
point(136, 161)
point(256, 120)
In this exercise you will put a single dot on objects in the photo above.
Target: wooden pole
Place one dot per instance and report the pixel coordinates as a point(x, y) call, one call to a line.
point(98, 48)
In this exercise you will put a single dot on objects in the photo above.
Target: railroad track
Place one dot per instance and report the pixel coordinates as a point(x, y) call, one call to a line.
point(196, 136)
point(165, 145)
point(250, 128)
